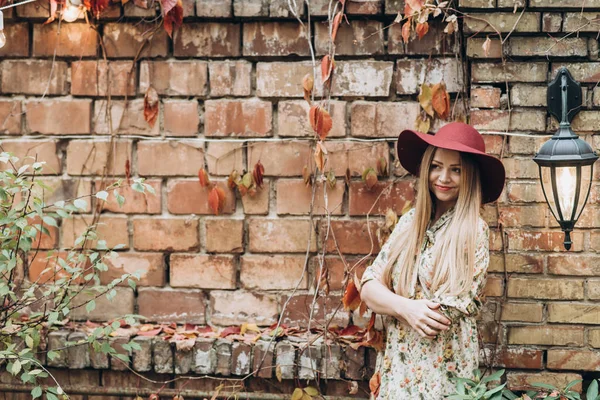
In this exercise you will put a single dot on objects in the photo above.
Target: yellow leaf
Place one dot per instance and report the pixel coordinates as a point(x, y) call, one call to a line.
point(425, 97)
point(243, 328)
point(311, 391)
point(278, 372)
point(422, 125)
point(298, 394)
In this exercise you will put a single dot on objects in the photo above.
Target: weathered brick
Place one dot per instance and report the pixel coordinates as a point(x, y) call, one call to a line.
point(207, 39)
point(105, 310)
point(295, 197)
point(519, 216)
point(285, 9)
point(546, 335)
point(171, 305)
point(325, 309)
point(552, 22)
point(202, 271)
point(169, 158)
point(183, 360)
point(353, 237)
point(543, 240)
point(230, 78)
point(309, 362)
point(273, 272)
point(286, 359)
point(573, 313)
point(72, 40)
point(584, 121)
point(75, 116)
point(86, 157)
point(237, 307)
point(205, 356)
point(263, 358)
point(382, 119)
point(485, 97)
point(162, 234)
point(285, 158)
point(250, 8)
point(188, 197)
point(574, 264)
point(283, 235)
point(547, 47)
point(259, 203)
point(163, 357)
point(213, 8)
point(181, 117)
point(435, 42)
point(563, 4)
point(510, 72)
point(363, 201)
point(511, 4)
point(580, 22)
point(241, 354)
point(112, 229)
point(223, 351)
point(37, 149)
point(281, 79)
point(96, 77)
point(518, 357)
point(123, 40)
point(336, 270)
point(34, 77)
point(494, 286)
point(32, 10)
point(524, 192)
point(128, 121)
point(78, 355)
point(150, 266)
point(224, 235)
point(293, 121)
point(528, 95)
point(275, 39)
point(10, 115)
point(222, 158)
point(503, 22)
point(17, 39)
point(356, 38)
point(247, 118)
point(132, 10)
point(517, 119)
point(475, 48)
point(521, 168)
point(545, 288)
point(141, 360)
point(585, 360)
point(593, 289)
point(57, 340)
point(594, 337)
point(412, 73)
point(523, 312)
point(174, 78)
point(477, 3)
point(524, 381)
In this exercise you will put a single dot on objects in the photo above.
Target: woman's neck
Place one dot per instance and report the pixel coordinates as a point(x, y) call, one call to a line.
point(440, 208)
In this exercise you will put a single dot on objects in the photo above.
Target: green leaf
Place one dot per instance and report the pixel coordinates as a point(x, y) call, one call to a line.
point(89, 307)
point(592, 391)
point(131, 283)
point(48, 220)
point(572, 383)
point(16, 367)
point(102, 195)
point(51, 396)
point(81, 204)
point(545, 386)
point(138, 187)
point(36, 392)
point(29, 341)
point(52, 355)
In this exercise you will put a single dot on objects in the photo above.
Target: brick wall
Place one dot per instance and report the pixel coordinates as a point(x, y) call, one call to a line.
point(234, 70)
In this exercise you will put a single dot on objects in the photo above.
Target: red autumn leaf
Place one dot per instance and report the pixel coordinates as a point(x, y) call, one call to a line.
point(441, 100)
point(204, 329)
point(327, 69)
point(96, 6)
point(406, 31)
point(203, 177)
point(308, 83)
point(320, 120)
point(415, 5)
point(258, 173)
point(151, 106)
point(351, 299)
point(374, 384)
point(408, 11)
point(422, 29)
point(319, 157)
point(337, 20)
point(172, 15)
point(351, 330)
point(152, 332)
point(232, 330)
point(216, 200)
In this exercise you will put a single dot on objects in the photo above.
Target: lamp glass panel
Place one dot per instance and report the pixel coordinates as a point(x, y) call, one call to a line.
point(586, 183)
point(549, 191)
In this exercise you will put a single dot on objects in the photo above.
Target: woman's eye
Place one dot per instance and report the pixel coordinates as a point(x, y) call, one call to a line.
point(457, 170)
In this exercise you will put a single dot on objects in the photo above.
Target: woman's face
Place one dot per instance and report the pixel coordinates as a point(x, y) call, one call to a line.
point(444, 177)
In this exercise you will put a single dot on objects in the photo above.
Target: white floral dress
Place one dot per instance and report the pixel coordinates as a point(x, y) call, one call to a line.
point(415, 368)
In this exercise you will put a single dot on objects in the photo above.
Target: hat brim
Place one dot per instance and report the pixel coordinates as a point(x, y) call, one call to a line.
point(410, 148)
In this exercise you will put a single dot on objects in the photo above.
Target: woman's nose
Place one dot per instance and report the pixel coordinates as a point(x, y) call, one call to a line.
point(444, 176)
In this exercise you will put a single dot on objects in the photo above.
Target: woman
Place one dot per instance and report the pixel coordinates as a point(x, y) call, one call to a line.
point(430, 273)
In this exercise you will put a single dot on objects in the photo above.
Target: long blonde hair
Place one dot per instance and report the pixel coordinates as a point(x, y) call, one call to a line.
point(454, 252)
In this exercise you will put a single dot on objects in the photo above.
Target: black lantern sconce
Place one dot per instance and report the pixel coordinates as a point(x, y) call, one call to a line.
point(566, 162)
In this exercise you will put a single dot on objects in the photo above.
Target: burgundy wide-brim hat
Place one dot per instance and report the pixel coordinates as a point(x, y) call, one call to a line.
point(454, 136)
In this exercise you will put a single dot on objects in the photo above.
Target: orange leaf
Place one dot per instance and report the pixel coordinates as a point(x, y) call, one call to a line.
point(258, 173)
point(214, 201)
point(327, 69)
point(422, 29)
point(233, 179)
point(351, 299)
point(232, 330)
point(306, 175)
point(415, 5)
point(320, 120)
point(382, 166)
point(95, 6)
point(374, 384)
point(151, 106)
point(203, 177)
point(319, 157)
point(337, 20)
point(172, 15)
point(406, 31)
point(308, 83)
point(441, 100)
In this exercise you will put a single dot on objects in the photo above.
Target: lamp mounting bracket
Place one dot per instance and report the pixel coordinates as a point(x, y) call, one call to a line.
point(564, 97)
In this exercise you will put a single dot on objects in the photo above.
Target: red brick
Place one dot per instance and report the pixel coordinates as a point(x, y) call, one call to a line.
point(10, 115)
point(213, 8)
point(281, 79)
point(94, 77)
point(163, 234)
point(202, 271)
point(86, 157)
point(75, 116)
point(493, 144)
point(224, 157)
point(230, 78)
point(485, 97)
point(352, 237)
point(224, 235)
point(275, 39)
point(181, 117)
point(113, 230)
point(356, 38)
point(246, 118)
point(518, 216)
point(542, 240)
point(494, 286)
point(150, 266)
point(382, 119)
point(326, 310)
point(188, 197)
point(525, 145)
point(585, 360)
point(363, 201)
point(34, 10)
point(238, 307)
point(355, 157)
point(17, 40)
point(525, 381)
point(44, 267)
point(42, 240)
point(171, 305)
point(412, 73)
point(294, 197)
point(499, 120)
point(259, 203)
point(106, 310)
point(73, 40)
point(174, 78)
point(112, 12)
point(362, 78)
point(283, 158)
point(132, 10)
point(273, 272)
point(169, 158)
point(207, 39)
point(519, 358)
point(336, 270)
point(135, 202)
point(128, 121)
point(292, 119)
point(39, 150)
point(280, 236)
point(34, 77)
point(123, 40)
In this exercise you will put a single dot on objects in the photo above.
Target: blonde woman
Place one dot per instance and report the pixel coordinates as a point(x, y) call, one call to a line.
point(429, 275)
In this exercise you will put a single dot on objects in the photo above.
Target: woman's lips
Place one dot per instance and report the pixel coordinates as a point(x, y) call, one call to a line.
point(443, 188)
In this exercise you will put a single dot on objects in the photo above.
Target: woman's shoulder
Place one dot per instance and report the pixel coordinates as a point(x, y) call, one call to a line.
point(482, 227)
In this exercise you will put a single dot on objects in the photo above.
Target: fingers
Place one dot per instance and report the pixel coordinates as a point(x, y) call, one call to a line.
point(439, 318)
point(426, 332)
point(433, 305)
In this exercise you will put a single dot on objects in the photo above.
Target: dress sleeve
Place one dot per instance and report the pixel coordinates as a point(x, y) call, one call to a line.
point(469, 303)
point(375, 270)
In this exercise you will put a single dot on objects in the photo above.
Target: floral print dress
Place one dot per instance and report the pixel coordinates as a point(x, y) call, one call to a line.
point(412, 367)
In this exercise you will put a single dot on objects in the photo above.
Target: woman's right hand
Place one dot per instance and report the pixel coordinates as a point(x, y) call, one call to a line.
point(423, 316)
